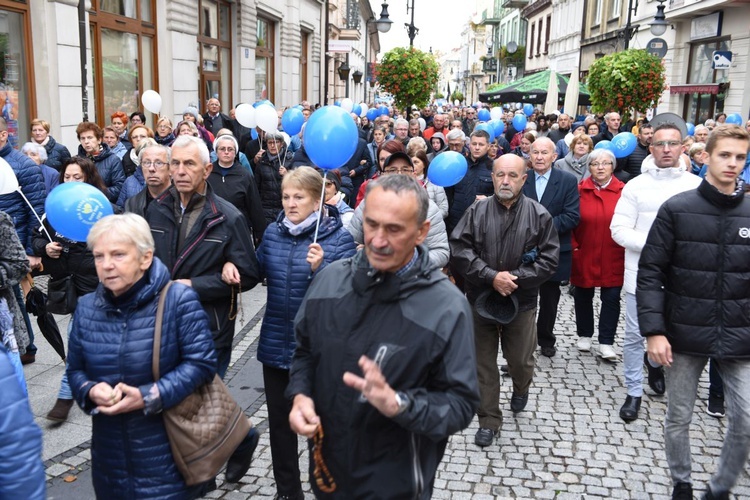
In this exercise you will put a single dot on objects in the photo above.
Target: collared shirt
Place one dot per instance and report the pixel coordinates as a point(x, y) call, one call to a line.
point(409, 264)
point(541, 183)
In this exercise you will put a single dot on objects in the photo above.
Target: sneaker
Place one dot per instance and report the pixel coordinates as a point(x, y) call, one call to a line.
point(59, 412)
point(584, 344)
point(607, 352)
point(484, 437)
point(682, 491)
point(715, 406)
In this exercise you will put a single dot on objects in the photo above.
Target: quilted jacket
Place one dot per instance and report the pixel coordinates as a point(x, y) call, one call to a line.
point(110, 168)
point(56, 153)
point(282, 258)
point(133, 185)
point(112, 341)
point(30, 180)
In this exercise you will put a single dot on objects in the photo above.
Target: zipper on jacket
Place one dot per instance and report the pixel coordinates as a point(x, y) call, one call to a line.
point(192, 245)
point(720, 312)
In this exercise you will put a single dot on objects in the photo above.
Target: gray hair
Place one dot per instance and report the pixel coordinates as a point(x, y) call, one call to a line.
point(184, 141)
point(153, 145)
point(401, 121)
point(602, 154)
point(32, 146)
point(455, 134)
point(700, 127)
point(401, 183)
point(126, 228)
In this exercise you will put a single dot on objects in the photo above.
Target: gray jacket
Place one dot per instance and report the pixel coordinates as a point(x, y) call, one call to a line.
point(579, 168)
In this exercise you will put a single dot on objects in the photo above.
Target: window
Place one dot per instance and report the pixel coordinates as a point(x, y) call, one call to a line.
point(123, 55)
point(539, 39)
point(531, 42)
point(548, 24)
point(264, 68)
point(215, 47)
point(700, 107)
point(15, 72)
point(596, 12)
point(304, 93)
point(614, 9)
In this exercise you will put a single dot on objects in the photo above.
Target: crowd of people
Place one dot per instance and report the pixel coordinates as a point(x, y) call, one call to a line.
point(218, 208)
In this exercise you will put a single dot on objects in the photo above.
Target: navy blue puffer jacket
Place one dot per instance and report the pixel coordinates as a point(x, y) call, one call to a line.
point(131, 187)
point(110, 168)
point(112, 341)
point(30, 179)
point(282, 258)
point(56, 153)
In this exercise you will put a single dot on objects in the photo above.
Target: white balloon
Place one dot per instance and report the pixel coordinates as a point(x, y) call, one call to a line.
point(245, 114)
point(455, 103)
point(422, 123)
point(496, 113)
point(347, 104)
point(8, 179)
point(151, 101)
point(518, 105)
point(287, 139)
point(365, 109)
point(266, 118)
point(440, 109)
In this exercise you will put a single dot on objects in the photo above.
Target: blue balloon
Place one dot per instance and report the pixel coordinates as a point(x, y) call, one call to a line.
point(384, 111)
point(605, 145)
point(499, 126)
point(519, 122)
point(265, 101)
point(357, 109)
point(735, 119)
point(299, 106)
point(337, 103)
point(487, 128)
point(623, 144)
point(690, 128)
point(483, 115)
point(331, 137)
point(528, 109)
point(372, 113)
point(73, 207)
point(292, 121)
point(253, 133)
point(447, 169)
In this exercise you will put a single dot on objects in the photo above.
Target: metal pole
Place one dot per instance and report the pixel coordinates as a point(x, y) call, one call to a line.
point(628, 25)
point(82, 38)
point(412, 28)
point(327, 59)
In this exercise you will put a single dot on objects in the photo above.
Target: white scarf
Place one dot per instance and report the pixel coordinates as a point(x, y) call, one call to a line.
point(297, 229)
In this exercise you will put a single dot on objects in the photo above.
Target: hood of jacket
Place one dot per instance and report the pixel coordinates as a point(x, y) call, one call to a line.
point(156, 276)
point(649, 167)
point(103, 154)
point(443, 144)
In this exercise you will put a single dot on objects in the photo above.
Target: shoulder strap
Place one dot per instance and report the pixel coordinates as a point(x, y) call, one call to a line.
point(157, 330)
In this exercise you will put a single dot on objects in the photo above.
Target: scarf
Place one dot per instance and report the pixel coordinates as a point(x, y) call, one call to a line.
point(297, 229)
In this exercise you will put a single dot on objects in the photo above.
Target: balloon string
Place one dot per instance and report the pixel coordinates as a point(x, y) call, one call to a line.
point(320, 211)
point(34, 212)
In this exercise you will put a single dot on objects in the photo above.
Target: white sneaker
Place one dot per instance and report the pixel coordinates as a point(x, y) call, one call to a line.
point(584, 344)
point(607, 352)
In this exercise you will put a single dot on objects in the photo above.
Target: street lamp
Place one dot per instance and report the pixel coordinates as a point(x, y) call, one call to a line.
point(410, 28)
point(384, 23)
point(658, 25)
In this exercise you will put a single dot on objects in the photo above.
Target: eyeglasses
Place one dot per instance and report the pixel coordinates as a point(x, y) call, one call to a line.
point(666, 144)
point(402, 170)
point(596, 164)
point(156, 164)
point(226, 150)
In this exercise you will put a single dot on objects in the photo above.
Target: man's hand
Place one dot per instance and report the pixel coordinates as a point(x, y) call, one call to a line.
point(373, 387)
point(54, 250)
point(659, 350)
point(34, 261)
point(504, 283)
point(302, 419)
point(131, 400)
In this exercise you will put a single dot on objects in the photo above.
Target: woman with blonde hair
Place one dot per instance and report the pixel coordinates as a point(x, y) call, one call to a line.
point(56, 153)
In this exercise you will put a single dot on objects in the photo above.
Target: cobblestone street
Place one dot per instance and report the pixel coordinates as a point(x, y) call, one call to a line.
point(569, 443)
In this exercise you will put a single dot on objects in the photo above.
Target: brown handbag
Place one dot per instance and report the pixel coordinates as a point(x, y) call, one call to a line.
point(206, 427)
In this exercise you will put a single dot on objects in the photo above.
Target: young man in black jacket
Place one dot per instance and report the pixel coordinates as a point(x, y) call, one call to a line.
point(693, 300)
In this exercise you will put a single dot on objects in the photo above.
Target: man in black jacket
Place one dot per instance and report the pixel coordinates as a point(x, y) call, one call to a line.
point(409, 368)
point(196, 233)
point(488, 248)
point(610, 127)
point(155, 167)
point(692, 296)
point(214, 120)
point(629, 167)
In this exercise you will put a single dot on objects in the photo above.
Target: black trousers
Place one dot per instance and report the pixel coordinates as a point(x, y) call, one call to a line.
point(284, 451)
point(549, 298)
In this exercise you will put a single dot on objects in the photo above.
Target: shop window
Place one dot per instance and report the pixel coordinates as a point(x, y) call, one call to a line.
point(303, 65)
point(123, 55)
point(700, 107)
point(264, 53)
point(215, 48)
point(16, 98)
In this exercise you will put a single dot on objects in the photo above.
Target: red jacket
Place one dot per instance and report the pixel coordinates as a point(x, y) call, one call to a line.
point(597, 260)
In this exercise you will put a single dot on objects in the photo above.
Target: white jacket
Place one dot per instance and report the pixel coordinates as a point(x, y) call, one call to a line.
point(637, 208)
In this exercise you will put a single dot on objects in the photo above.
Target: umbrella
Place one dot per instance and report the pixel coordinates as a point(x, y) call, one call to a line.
point(571, 95)
point(533, 89)
point(36, 304)
point(550, 103)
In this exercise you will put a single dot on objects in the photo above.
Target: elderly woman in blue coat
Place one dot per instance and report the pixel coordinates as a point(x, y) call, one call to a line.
point(289, 260)
point(109, 362)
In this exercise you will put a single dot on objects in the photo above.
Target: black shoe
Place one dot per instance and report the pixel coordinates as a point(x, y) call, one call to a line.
point(518, 403)
point(242, 457)
point(682, 491)
point(504, 368)
point(629, 411)
point(28, 358)
point(548, 350)
point(715, 405)
point(655, 376)
point(484, 437)
point(298, 496)
point(709, 495)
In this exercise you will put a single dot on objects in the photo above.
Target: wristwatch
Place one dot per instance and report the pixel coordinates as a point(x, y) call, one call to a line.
point(403, 402)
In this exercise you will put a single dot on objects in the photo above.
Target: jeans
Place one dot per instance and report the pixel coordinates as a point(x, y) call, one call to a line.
point(549, 298)
point(682, 385)
point(65, 392)
point(632, 349)
point(284, 453)
point(608, 316)
point(223, 357)
point(31, 348)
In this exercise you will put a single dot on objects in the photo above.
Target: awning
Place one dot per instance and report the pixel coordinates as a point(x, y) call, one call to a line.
point(689, 88)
